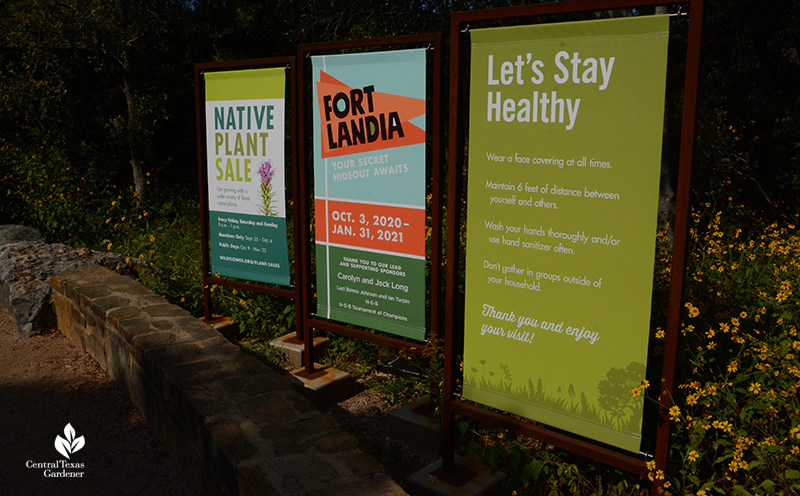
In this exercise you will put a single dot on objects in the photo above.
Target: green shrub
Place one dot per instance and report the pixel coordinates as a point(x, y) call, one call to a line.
point(737, 411)
point(45, 190)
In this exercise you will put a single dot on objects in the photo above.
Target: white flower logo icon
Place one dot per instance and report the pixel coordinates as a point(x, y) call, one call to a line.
point(71, 444)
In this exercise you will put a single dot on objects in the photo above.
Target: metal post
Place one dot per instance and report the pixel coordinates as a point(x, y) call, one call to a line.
point(681, 237)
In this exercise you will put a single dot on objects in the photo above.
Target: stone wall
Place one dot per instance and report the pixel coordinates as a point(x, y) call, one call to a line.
point(232, 425)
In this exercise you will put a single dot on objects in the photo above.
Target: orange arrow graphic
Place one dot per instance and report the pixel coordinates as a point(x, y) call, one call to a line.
point(357, 120)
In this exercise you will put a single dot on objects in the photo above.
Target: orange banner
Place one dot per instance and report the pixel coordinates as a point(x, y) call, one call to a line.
point(376, 227)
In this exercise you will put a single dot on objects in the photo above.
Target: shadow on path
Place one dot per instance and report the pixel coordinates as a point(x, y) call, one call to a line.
point(45, 384)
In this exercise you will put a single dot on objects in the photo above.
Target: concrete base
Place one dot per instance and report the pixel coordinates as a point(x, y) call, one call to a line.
point(415, 425)
point(324, 385)
point(225, 326)
point(468, 478)
point(293, 349)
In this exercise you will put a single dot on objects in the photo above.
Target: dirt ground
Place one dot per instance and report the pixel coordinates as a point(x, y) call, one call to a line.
point(366, 417)
point(45, 384)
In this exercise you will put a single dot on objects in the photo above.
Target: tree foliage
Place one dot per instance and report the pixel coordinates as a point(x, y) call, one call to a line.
point(105, 88)
point(749, 133)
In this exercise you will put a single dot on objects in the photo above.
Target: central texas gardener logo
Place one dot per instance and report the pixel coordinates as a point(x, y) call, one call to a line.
point(69, 445)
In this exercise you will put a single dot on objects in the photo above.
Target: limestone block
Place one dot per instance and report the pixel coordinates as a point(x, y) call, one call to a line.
point(117, 358)
point(11, 233)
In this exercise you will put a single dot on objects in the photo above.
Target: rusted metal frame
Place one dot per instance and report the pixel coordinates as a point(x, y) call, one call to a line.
point(408, 39)
point(203, 187)
point(303, 255)
point(248, 286)
point(437, 197)
point(544, 9)
point(251, 63)
point(564, 441)
point(309, 322)
point(455, 146)
point(437, 186)
point(459, 21)
point(381, 339)
point(209, 280)
point(680, 244)
point(297, 223)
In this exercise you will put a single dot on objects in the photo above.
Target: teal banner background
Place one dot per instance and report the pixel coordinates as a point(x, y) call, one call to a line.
point(397, 82)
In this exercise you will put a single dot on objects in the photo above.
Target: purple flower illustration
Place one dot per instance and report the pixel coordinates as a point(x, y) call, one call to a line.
point(267, 172)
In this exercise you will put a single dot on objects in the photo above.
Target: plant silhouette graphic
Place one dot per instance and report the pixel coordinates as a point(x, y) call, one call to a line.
point(71, 444)
point(267, 172)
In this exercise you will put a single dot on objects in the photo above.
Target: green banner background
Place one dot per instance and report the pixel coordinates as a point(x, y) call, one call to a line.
point(380, 291)
point(561, 220)
point(249, 247)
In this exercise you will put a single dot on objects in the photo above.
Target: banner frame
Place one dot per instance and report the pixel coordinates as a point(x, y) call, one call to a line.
point(209, 279)
point(305, 319)
point(453, 326)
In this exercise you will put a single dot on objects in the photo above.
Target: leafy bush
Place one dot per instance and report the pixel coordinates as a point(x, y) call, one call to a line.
point(737, 411)
point(260, 317)
point(532, 467)
point(44, 189)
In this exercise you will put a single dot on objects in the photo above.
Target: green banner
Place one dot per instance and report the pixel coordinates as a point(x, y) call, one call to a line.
point(374, 289)
point(245, 161)
point(565, 137)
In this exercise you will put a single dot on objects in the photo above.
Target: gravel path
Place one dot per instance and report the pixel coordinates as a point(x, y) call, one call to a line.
point(45, 384)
